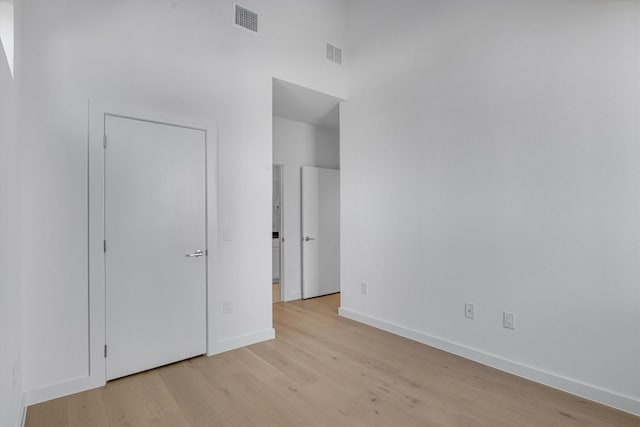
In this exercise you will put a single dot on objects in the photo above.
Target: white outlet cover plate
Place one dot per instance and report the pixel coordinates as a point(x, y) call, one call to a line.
point(509, 320)
point(364, 288)
point(226, 307)
point(470, 310)
point(228, 236)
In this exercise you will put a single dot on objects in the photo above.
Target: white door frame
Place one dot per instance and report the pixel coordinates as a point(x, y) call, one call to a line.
point(98, 109)
point(281, 236)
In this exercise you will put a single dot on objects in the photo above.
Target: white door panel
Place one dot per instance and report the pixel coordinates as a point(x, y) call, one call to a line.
point(320, 231)
point(154, 215)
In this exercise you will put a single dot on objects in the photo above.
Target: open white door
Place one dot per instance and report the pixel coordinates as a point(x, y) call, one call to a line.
point(320, 231)
point(155, 229)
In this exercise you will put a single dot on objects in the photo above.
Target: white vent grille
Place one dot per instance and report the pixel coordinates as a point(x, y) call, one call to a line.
point(337, 55)
point(334, 53)
point(246, 18)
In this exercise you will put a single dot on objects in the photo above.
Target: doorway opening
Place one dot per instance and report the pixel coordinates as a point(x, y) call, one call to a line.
point(306, 134)
point(136, 154)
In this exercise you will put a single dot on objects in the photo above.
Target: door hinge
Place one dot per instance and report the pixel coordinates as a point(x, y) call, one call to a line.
point(104, 141)
point(206, 252)
point(104, 246)
point(105, 351)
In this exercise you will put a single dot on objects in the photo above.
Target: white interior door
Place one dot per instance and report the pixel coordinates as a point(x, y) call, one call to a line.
point(155, 231)
point(320, 231)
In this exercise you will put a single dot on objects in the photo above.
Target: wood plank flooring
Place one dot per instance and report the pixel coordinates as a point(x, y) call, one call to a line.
point(323, 370)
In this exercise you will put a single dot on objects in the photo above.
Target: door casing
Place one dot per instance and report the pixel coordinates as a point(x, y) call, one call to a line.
point(98, 109)
point(280, 167)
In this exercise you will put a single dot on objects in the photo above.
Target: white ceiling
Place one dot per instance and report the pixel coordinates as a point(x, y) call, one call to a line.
point(298, 103)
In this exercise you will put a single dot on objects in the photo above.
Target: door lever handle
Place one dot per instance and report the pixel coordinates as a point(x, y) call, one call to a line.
point(306, 239)
point(196, 254)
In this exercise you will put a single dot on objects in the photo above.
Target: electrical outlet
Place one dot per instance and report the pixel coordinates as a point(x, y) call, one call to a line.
point(509, 320)
point(469, 310)
point(228, 235)
point(364, 288)
point(226, 307)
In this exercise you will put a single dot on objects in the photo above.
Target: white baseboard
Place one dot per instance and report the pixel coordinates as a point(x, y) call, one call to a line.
point(587, 391)
point(54, 391)
point(43, 394)
point(243, 341)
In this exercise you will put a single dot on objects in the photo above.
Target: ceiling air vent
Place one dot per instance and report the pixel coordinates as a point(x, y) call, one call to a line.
point(246, 18)
point(334, 53)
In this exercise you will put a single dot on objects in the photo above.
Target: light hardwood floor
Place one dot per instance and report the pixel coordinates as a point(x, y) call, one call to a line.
point(323, 370)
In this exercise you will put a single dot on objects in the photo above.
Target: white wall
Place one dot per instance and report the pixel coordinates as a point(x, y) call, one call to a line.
point(494, 148)
point(10, 367)
point(179, 57)
point(295, 145)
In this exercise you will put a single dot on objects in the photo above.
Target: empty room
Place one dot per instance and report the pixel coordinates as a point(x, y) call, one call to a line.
point(319, 212)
